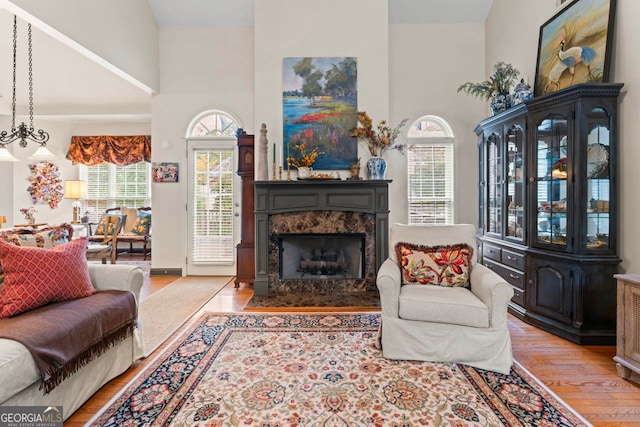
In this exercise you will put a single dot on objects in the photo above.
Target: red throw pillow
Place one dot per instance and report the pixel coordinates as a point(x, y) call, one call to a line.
point(37, 276)
point(448, 266)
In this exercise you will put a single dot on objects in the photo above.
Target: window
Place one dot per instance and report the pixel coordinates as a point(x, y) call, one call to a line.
point(213, 206)
point(214, 123)
point(110, 186)
point(430, 171)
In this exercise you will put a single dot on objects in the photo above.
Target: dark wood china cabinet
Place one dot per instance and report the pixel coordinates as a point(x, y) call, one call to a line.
point(548, 219)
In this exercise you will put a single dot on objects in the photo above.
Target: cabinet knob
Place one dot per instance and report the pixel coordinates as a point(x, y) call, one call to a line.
point(511, 258)
point(514, 276)
point(531, 281)
point(531, 179)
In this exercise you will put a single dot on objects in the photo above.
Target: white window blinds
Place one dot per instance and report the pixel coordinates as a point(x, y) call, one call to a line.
point(212, 212)
point(430, 159)
point(110, 186)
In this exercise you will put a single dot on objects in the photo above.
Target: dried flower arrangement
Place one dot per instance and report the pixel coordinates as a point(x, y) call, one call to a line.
point(305, 160)
point(378, 140)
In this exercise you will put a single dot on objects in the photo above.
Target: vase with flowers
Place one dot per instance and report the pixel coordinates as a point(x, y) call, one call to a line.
point(29, 214)
point(305, 160)
point(378, 141)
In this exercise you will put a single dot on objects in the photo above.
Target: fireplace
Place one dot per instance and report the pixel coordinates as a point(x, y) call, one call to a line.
point(314, 256)
point(324, 236)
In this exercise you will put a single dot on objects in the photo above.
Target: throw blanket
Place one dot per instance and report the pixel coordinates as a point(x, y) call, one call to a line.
point(64, 336)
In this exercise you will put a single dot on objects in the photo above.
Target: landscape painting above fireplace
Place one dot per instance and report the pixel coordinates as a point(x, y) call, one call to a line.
point(319, 98)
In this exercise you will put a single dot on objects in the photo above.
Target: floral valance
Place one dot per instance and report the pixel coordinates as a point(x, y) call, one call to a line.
point(119, 150)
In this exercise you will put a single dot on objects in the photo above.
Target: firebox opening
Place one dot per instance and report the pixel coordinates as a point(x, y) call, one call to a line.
point(321, 256)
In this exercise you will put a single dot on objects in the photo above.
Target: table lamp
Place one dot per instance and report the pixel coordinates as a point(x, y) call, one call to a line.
point(75, 190)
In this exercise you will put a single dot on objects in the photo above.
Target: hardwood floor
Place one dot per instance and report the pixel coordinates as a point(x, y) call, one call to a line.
point(583, 376)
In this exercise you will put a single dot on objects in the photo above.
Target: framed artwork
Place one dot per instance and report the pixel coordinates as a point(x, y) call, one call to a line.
point(575, 46)
point(320, 99)
point(164, 172)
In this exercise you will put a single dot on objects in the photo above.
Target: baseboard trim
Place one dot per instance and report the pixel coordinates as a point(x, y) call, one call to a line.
point(166, 272)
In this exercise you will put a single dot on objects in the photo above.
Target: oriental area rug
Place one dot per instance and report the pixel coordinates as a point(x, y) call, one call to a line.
point(319, 370)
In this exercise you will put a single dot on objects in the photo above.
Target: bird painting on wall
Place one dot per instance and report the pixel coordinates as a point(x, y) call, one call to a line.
point(575, 46)
point(568, 60)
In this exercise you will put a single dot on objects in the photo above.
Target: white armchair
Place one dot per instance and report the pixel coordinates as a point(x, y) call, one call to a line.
point(444, 324)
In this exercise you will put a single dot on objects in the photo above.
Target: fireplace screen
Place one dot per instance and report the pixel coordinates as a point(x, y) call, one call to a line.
point(321, 256)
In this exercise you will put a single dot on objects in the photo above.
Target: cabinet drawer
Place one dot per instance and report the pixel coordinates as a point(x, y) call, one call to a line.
point(518, 296)
point(513, 259)
point(515, 277)
point(491, 252)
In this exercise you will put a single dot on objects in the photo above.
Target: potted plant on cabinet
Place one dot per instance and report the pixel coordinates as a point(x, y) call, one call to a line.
point(496, 88)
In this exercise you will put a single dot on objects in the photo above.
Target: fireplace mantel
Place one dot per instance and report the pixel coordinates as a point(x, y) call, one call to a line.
point(275, 197)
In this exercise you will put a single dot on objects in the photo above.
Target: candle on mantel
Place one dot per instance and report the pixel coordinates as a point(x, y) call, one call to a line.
point(274, 152)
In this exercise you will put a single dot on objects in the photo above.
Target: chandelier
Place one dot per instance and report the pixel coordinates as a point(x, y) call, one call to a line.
point(23, 132)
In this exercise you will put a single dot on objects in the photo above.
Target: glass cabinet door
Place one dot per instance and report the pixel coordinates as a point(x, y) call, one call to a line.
point(494, 185)
point(598, 180)
point(552, 167)
point(515, 183)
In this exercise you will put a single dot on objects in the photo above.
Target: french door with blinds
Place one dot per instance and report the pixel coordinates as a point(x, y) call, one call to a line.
point(212, 208)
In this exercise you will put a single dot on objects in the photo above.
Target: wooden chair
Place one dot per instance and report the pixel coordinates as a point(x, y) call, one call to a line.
point(126, 235)
point(103, 244)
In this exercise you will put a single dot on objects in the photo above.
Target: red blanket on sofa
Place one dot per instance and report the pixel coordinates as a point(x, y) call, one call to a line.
point(64, 336)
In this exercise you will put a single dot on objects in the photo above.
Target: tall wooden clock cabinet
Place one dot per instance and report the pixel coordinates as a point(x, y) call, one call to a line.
point(245, 250)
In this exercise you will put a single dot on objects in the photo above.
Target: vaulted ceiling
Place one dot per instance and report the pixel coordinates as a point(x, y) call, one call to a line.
point(68, 85)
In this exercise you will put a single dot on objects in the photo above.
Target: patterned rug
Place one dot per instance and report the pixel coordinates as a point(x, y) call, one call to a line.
point(319, 370)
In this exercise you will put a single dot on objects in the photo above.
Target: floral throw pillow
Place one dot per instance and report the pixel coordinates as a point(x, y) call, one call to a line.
point(448, 266)
point(143, 224)
point(105, 226)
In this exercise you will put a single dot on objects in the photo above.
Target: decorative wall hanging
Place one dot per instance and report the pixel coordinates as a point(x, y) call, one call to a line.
point(320, 98)
point(575, 46)
point(164, 172)
point(45, 185)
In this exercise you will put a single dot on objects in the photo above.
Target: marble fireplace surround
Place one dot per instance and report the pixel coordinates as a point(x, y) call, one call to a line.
point(319, 206)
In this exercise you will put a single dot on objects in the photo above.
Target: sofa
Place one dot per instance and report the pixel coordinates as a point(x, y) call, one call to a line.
point(70, 385)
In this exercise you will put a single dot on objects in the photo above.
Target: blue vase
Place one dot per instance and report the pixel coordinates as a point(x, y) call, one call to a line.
point(377, 167)
point(499, 102)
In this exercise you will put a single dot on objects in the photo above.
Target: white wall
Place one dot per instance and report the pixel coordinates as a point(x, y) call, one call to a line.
point(291, 28)
point(200, 69)
point(427, 64)
point(516, 41)
point(122, 32)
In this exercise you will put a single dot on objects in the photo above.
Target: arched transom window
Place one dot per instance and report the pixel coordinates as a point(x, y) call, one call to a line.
point(430, 171)
point(213, 123)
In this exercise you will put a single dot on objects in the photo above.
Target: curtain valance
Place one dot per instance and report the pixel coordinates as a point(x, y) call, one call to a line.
point(119, 150)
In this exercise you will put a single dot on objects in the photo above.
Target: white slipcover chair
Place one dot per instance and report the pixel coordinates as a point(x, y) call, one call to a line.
point(441, 324)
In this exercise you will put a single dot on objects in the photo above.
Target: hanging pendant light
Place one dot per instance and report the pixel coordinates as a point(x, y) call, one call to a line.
point(23, 132)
